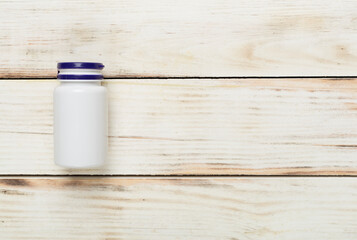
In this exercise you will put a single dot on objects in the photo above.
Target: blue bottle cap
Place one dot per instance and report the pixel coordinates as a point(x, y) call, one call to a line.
point(79, 77)
point(78, 65)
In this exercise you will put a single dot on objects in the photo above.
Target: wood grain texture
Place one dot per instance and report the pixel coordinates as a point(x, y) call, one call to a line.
point(180, 38)
point(169, 127)
point(196, 208)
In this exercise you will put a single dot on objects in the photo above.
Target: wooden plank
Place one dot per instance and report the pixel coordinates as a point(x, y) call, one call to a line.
point(194, 208)
point(234, 126)
point(180, 38)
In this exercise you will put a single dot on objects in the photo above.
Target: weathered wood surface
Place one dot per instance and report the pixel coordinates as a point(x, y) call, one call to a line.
point(184, 208)
point(180, 38)
point(271, 126)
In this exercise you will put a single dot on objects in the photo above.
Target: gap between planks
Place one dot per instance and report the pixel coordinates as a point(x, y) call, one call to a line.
point(160, 176)
point(193, 77)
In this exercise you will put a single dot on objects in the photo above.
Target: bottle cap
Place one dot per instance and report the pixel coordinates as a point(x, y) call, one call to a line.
point(82, 65)
point(79, 71)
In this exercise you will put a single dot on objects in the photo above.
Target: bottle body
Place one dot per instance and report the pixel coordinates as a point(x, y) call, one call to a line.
point(80, 123)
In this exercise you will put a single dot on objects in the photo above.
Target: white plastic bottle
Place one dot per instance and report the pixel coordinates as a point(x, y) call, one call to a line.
point(80, 116)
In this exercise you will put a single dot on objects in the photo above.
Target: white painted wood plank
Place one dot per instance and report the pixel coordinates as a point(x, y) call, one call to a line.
point(285, 126)
point(194, 208)
point(180, 38)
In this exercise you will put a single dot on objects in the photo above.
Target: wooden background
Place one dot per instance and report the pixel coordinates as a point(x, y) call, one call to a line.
point(229, 119)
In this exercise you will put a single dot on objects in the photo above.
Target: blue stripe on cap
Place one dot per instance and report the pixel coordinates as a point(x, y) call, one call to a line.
point(79, 77)
point(86, 65)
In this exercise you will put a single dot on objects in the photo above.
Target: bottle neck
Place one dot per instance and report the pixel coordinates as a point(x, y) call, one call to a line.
point(80, 71)
point(79, 75)
point(80, 82)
